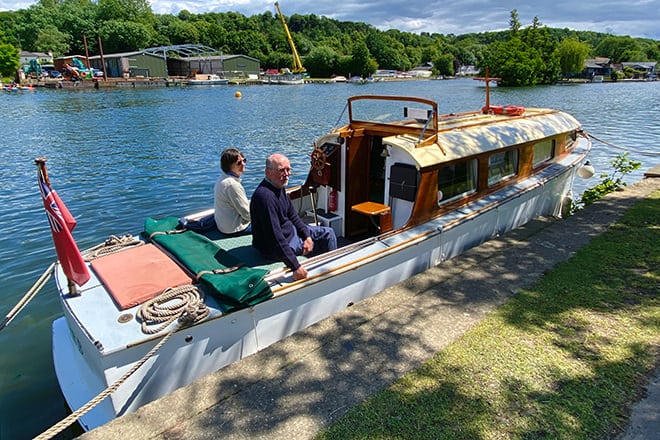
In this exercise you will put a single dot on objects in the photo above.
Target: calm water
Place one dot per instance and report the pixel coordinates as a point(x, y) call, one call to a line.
point(118, 156)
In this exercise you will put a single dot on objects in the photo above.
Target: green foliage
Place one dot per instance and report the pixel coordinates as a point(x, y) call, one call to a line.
point(514, 62)
point(60, 26)
point(9, 60)
point(618, 49)
point(50, 39)
point(323, 62)
point(138, 11)
point(444, 65)
point(622, 166)
point(362, 63)
point(124, 36)
point(572, 55)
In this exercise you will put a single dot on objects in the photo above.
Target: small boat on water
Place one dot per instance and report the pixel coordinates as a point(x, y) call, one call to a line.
point(208, 80)
point(17, 88)
point(404, 187)
point(286, 79)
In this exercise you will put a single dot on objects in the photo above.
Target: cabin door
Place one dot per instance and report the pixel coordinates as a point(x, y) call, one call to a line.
point(365, 181)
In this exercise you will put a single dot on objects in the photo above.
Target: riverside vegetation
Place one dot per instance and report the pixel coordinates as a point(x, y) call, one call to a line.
point(519, 56)
point(564, 359)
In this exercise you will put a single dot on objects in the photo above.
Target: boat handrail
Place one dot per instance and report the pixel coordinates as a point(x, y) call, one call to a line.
point(325, 257)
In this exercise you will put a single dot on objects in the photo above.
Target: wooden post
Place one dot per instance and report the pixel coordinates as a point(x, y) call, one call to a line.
point(487, 91)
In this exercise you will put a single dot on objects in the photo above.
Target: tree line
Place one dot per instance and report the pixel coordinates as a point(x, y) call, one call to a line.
point(528, 55)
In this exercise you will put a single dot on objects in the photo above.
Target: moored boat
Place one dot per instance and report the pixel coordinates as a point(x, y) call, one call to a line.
point(402, 193)
point(208, 80)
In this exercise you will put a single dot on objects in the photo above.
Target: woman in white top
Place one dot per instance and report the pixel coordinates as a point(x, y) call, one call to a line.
point(232, 208)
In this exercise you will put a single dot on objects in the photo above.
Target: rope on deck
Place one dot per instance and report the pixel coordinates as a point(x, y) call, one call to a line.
point(184, 302)
point(111, 245)
point(36, 287)
point(188, 312)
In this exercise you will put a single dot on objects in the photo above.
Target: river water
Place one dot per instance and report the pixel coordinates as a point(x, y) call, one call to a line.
point(118, 156)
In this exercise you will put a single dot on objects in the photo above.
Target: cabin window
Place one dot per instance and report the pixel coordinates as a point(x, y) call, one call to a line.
point(457, 180)
point(543, 152)
point(502, 165)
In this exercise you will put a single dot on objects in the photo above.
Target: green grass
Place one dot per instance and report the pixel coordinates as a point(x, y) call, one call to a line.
point(563, 360)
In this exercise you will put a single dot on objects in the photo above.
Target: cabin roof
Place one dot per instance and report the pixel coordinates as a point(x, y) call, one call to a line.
point(474, 133)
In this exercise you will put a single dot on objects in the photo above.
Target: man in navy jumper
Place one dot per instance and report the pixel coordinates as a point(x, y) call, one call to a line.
point(278, 232)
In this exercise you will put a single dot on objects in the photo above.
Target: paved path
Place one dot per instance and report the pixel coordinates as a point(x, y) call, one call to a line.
point(300, 385)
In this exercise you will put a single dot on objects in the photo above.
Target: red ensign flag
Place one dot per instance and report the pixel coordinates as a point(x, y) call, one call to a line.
point(61, 224)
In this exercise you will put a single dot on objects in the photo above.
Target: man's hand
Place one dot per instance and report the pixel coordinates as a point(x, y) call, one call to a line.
point(308, 246)
point(299, 273)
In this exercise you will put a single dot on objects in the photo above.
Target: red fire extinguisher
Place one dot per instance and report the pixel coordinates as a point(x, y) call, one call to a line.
point(332, 200)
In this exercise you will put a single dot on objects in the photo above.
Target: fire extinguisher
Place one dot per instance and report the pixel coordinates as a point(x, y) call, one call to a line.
point(332, 200)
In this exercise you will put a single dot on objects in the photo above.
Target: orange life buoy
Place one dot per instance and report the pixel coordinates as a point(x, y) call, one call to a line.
point(509, 110)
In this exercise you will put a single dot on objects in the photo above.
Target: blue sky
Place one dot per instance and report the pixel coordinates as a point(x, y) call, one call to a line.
point(636, 18)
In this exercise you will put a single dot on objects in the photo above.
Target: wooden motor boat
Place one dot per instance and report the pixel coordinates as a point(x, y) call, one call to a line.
point(404, 188)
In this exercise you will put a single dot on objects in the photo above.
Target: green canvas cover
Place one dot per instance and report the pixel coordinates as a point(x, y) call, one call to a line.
point(234, 289)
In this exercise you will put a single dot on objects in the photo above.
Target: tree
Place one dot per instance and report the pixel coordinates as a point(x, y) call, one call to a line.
point(9, 60)
point(572, 54)
point(537, 37)
point(362, 63)
point(515, 62)
point(322, 62)
point(50, 39)
point(444, 65)
point(124, 36)
point(138, 11)
point(514, 23)
point(617, 49)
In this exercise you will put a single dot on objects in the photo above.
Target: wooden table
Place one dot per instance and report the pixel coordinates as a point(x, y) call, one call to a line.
point(373, 209)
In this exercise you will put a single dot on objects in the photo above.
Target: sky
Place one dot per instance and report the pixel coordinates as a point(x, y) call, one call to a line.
point(635, 18)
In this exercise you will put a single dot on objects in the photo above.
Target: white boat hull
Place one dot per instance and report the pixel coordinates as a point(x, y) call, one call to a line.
point(84, 371)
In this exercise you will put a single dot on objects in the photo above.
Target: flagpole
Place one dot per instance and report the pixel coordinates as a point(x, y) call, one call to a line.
point(41, 164)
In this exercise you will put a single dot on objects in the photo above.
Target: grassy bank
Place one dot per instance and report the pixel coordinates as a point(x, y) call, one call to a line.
point(562, 360)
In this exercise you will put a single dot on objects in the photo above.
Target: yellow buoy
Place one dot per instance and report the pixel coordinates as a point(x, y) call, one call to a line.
point(238, 94)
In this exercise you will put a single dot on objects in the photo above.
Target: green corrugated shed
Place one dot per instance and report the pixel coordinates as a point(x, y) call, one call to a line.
point(240, 66)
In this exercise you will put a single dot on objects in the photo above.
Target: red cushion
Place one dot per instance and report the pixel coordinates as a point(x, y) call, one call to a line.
point(135, 275)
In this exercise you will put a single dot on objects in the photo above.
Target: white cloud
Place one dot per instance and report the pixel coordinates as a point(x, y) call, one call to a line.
point(637, 18)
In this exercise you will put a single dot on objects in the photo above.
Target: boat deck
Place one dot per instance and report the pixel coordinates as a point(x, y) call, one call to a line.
point(99, 314)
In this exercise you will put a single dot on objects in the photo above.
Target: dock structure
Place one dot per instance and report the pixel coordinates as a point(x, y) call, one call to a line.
point(305, 382)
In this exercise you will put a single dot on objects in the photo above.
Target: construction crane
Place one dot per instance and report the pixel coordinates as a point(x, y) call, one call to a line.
point(297, 64)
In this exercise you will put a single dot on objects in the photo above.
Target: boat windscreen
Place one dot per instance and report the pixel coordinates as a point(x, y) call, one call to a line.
point(384, 111)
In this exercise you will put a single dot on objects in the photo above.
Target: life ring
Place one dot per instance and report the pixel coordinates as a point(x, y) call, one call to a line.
point(508, 110)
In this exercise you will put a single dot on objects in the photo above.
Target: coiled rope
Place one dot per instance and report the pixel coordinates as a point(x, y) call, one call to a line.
point(188, 311)
point(111, 245)
point(641, 153)
point(184, 302)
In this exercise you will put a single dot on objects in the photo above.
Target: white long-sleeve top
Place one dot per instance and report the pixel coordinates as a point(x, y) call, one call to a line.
point(232, 208)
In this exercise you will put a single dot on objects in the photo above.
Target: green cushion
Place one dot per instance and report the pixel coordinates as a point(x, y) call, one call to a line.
point(235, 289)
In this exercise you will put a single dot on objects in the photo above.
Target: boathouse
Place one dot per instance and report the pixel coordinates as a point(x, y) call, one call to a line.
point(140, 64)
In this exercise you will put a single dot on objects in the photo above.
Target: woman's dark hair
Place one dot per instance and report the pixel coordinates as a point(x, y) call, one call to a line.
point(229, 156)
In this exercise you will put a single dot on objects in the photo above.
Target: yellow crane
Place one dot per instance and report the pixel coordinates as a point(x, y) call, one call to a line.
point(297, 64)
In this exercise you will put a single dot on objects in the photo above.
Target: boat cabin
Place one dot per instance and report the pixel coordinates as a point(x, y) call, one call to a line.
point(400, 168)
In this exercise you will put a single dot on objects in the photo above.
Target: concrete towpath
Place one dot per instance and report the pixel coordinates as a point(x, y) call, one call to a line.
point(304, 383)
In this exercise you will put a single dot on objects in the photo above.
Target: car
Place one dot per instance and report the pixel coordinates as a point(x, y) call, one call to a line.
point(97, 73)
point(54, 74)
